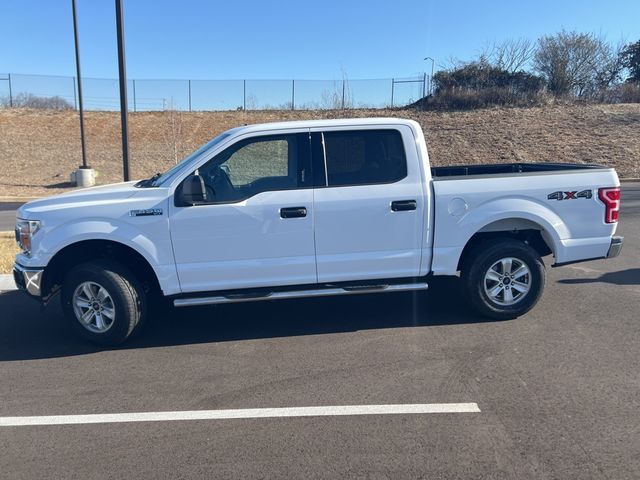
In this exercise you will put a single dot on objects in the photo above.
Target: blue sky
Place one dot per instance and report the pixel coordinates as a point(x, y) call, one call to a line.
point(304, 40)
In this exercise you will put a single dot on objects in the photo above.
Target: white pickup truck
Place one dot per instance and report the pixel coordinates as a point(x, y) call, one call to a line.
point(311, 208)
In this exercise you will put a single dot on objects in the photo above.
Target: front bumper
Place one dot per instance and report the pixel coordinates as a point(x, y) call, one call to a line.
point(28, 279)
point(616, 247)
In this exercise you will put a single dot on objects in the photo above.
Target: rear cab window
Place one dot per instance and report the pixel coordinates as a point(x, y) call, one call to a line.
point(364, 157)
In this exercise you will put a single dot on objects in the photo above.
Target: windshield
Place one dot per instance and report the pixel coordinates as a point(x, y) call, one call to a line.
point(169, 174)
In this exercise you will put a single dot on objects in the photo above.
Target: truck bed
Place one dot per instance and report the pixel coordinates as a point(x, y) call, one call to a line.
point(506, 169)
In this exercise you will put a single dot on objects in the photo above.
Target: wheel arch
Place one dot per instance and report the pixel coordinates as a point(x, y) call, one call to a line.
point(517, 228)
point(86, 250)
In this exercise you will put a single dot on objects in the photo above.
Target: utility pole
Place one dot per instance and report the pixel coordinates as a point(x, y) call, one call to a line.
point(122, 69)
point(81, 110)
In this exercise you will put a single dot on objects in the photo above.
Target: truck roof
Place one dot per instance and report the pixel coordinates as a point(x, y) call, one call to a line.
point(331, 122)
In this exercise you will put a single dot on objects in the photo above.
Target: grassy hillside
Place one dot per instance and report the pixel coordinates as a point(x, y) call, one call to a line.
point(38, 149)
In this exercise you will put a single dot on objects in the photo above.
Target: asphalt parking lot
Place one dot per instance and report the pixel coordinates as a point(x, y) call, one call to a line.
point(558, 390)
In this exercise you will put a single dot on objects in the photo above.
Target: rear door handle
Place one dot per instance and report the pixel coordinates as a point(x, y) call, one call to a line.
point(293, 212)
point(404, 205)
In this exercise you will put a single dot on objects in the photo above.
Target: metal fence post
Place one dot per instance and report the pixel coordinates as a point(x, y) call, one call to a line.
point(424, 85)
point(393, 84)
point(244, 95)
point(10, 92)
point(424, 90)
point(293, 94)
point(343, 94)
point(134, 95)
point(189, 95)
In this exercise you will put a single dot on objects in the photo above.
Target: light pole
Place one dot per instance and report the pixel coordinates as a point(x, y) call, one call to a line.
point(122, 70)
point(79, 80)
point(431, 77)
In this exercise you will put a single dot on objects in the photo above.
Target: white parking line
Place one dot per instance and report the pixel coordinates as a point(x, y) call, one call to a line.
point(416, 408)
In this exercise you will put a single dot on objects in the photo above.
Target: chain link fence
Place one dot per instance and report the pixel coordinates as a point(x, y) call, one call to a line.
point(46, 91)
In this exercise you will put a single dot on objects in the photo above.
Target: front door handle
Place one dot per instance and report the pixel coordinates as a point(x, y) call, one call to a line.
point(293, 212)
point(404, 205)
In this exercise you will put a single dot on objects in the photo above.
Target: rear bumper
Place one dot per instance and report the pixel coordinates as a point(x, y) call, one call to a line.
point(28, 279)
point(616, 247)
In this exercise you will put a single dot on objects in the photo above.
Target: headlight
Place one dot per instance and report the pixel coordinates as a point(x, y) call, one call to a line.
point(25, 229)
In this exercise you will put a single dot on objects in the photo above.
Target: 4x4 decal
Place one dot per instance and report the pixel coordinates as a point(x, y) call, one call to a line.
point(570, 195)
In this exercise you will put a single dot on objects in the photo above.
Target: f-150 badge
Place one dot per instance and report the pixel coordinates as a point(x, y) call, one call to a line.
point(145, 213)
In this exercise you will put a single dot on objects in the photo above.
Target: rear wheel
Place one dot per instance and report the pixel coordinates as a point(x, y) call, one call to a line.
point(503, 279)
point(103, 302)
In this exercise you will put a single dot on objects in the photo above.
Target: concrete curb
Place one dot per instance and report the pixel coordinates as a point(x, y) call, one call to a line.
point(7, 283)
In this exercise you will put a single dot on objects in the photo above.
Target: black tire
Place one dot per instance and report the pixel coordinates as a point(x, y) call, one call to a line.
point(478, 288)
point(126, 301)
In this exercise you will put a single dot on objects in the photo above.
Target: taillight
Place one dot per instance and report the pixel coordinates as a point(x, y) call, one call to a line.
point(610, 196)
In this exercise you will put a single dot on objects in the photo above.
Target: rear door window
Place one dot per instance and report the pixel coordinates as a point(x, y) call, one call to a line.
point(364, 157)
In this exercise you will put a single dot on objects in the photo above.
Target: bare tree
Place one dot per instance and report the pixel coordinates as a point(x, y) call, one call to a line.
point(612, 65)
point(251, 102)
point(339, 96)
point(576, 63)
point(173, 134)
point(513, 55)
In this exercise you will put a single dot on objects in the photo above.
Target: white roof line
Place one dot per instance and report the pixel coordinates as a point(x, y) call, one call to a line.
point(323, 123)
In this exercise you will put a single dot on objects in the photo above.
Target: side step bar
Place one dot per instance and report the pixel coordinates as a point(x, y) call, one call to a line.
point(320, 292)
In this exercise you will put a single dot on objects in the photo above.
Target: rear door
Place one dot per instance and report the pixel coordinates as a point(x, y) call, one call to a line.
point(369, 205)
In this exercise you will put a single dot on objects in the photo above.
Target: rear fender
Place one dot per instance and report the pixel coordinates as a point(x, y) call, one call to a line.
point(453, 233)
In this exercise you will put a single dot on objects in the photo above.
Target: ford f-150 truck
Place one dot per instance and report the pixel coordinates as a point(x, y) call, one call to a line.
point(306, 209)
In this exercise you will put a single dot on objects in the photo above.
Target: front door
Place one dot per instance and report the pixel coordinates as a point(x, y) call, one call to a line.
point(256, 229)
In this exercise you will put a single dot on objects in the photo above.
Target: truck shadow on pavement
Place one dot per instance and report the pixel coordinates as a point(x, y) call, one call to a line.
point(630, 276)
point(29, 331)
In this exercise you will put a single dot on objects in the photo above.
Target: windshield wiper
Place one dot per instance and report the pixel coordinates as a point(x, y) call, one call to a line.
point(149, 182)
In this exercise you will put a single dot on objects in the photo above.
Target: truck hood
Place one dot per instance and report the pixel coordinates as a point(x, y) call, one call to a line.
point(93, 196)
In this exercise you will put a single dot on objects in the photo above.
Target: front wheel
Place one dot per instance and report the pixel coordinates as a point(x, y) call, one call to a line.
point(103, 302)
point(503, 279)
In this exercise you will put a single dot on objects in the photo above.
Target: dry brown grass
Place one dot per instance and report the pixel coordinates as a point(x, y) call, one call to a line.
point(38, 149)
point(8, 251)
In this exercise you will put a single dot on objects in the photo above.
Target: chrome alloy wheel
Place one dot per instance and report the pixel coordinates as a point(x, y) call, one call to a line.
point(93, 307)
point(507, 281)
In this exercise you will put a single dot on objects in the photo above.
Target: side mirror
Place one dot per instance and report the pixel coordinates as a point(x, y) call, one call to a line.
point(192, 191)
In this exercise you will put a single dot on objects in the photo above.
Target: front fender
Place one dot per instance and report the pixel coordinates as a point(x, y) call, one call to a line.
point(150, 238)
point(62, 236)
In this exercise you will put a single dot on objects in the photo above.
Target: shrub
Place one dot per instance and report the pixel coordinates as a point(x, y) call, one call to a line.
point(480, 85)
point(28, 100)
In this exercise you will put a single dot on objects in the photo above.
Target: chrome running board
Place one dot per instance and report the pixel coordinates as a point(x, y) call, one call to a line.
point(320, 292)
